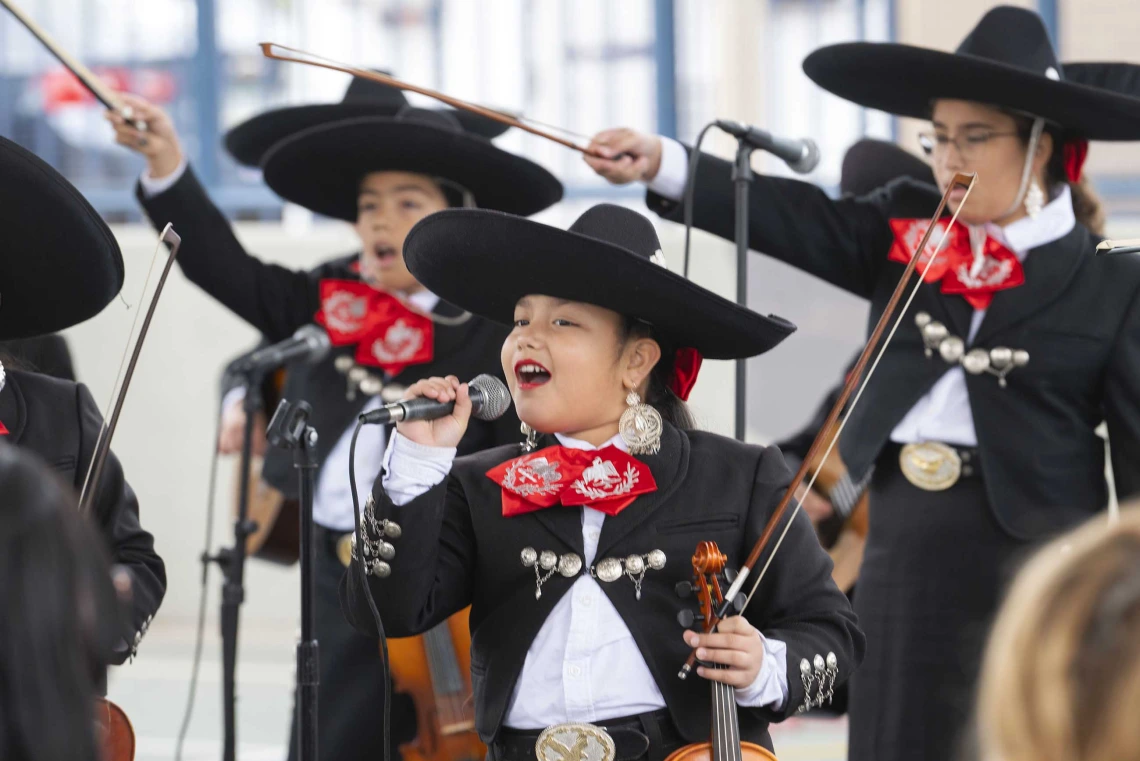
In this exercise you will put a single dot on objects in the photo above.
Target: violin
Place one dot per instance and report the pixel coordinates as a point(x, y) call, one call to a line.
point(435, 669)
point(114, 731)
point(846, 545)
point(724, 742)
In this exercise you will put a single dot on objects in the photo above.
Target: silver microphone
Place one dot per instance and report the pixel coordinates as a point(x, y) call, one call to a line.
point(489, 400)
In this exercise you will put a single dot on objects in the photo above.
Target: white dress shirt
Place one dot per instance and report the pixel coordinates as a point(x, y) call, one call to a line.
point(944, 413)
point(583, 665)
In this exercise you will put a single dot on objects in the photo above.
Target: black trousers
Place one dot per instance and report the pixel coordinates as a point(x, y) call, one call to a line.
point(351, 693)
point(934, 573)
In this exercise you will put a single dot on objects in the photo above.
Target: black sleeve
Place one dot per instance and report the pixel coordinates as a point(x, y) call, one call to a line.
point(271, 298)
point(796, 601)
point(844, 242)
point(1122, 405)
point(116, 515)
point(432, 571)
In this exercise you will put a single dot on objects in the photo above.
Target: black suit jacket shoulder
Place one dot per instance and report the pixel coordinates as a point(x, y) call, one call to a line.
point(1077, 315)
point(457, 549)
point(59, 421)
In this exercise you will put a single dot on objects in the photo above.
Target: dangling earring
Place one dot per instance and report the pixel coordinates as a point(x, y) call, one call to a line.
point(1034, 199)
point(531, 442)
point(640, 426)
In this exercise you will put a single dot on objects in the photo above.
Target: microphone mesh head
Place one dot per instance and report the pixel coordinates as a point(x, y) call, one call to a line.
point(496, 398)
point(809, 160)
point(317, 340)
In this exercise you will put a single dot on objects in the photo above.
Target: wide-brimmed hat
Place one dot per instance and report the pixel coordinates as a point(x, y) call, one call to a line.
point(248, 141)
point(485, 261)
point(1006, 61)
point(870, 164)
point(59, 263)
point(321, 168)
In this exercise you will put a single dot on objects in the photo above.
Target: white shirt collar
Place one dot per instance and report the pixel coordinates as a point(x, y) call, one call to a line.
point(423, 300)
point(616, 441)
point(1055, 221)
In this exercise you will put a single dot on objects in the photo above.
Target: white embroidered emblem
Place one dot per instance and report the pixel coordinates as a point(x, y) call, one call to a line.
point(913, 236)
point(345, 312)
point(527, 478)
point(993, 273)
point(601, 480)
point(399, 343)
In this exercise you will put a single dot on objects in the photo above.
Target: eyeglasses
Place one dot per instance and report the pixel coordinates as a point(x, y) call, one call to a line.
point(969, 145)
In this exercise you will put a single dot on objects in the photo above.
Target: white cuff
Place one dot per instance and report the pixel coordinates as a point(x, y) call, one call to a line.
point(770, 688)
point(674, 171)
point(410, 469)
point(234, 396)
point(152, 186)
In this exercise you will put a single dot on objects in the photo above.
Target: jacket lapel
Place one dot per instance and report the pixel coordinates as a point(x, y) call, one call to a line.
point(12, 412)
point(669, 468)
point(1048, 271)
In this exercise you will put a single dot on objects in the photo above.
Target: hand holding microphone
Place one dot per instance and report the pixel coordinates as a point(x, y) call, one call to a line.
point(436, 411)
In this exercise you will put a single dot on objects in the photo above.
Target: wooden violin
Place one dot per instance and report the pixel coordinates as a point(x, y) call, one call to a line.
point(114, 731)
point(435, 669)
point(724, 742)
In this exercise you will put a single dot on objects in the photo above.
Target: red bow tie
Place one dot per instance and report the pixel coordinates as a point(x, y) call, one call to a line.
point(388, 334)
point(1000, 267)
point(606, 479)
point(3, 429)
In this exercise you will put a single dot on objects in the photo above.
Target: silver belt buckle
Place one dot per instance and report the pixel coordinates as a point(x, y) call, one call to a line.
point(574, 742)
point(930, 465)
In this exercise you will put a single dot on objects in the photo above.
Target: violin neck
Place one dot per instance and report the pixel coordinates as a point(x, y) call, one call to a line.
point(446, 676)
point(725, 736)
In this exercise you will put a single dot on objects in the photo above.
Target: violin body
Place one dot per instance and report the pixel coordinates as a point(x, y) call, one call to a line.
point(704, 752)
point(435, 670)
point(115, 733)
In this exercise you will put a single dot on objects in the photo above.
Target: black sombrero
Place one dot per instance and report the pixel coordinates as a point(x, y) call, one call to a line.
point(870, 164)
point(321, 167)
point(248, 141)
point(1007, 61)
point(485, 261)
point(60, 264)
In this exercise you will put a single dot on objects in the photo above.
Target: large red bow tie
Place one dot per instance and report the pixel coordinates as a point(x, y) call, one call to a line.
point(606, 479)
point(388, 334)
point(3, 429)
point(956, 267)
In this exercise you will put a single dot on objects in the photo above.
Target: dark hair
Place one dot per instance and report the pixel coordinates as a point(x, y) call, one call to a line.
point(1086, 204)
point(57, 600)
point(672, 408)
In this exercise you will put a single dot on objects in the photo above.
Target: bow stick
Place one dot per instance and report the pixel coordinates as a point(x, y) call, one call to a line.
point(267, 49)
point(853, 379)
point(104, 94)
point(107, 430)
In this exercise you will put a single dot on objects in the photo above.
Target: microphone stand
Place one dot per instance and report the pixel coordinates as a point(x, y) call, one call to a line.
point(290, 429)
point(231, 560)
point(742, 181)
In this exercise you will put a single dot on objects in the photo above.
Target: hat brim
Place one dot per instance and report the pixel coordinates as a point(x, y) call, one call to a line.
point(484, 262)
point(249, 141)
point(904, 79)
point(60, 263)
point(321, 167)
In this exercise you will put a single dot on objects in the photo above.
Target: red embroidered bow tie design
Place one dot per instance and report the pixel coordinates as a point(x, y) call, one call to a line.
point(606, 479)
point(956, 267)
point(388, 334)
point(3, 429)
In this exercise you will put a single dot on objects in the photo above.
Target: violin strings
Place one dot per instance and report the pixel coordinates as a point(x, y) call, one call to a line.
point(862, 387)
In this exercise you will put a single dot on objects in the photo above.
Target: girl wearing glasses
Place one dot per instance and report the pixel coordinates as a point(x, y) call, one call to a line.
point(979, 426)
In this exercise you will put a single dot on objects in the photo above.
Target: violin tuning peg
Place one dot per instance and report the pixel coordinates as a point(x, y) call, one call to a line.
point(687, 618)
point(739, 602)
point(730, 575)
point(683, 588)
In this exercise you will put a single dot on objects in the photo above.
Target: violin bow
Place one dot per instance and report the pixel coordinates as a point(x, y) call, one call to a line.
point(833, 426)
point(107, 430)
point(269, 49)
point(97, 87)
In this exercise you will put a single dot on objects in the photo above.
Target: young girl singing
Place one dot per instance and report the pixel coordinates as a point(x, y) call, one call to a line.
point(570, 548)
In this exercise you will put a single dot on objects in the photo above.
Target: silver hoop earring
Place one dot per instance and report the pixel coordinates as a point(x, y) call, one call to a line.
point(1034, 199)
point(640, 426)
